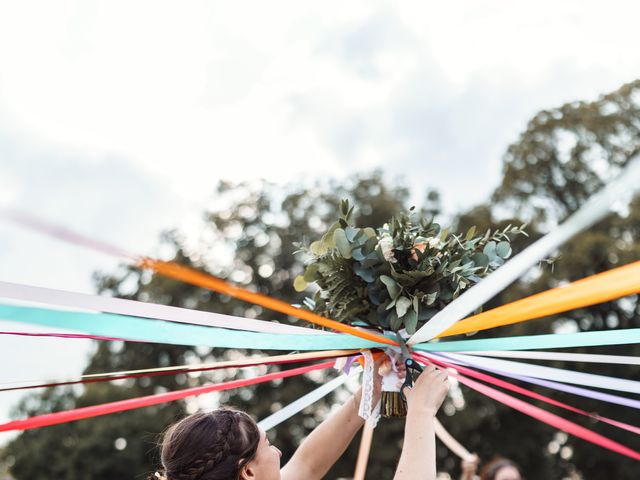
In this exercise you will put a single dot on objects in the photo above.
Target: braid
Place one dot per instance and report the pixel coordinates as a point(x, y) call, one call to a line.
point(225, 443)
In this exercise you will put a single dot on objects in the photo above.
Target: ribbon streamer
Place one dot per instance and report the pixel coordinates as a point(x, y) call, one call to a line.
point(303, 402)
point(191, 276)
point(139, 402)
point(582, 392)
point(550, 373)
point(603, 287)
point(159, 331)
point(149, 372)
point(592, 211)
point(523, 391)
point(533, 342)
point(561, 356)
point(97, 303)
point(548, 417)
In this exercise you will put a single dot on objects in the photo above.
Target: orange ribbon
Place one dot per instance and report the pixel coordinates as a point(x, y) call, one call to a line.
point(602, 287)
point(194, 277)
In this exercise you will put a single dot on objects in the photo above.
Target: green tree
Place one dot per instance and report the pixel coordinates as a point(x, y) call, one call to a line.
point(254, 226)
point(563, 157)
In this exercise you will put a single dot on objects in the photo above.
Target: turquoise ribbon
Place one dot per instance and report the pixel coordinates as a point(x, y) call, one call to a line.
point(160, 331)
point(534, 342)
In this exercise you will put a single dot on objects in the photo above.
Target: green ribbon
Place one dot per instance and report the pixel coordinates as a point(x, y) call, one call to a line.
point(160, 331)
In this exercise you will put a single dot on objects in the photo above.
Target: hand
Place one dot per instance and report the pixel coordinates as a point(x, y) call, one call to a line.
point(428, 392)
point(469, 467)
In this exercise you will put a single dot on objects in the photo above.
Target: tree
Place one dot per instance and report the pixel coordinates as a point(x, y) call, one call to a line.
point(256, 226)
point(564, 156)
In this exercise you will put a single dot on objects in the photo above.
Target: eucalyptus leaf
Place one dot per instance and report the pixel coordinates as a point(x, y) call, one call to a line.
point(342, 243)
point(411, 322)
point(402, 305)
point(395, 323)
point(392, 286)
point(310, 272)
point(300, 284)
point(470, 233)
point(503, 249)
point(431, 297)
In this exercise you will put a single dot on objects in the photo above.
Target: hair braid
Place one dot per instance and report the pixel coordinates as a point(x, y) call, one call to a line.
point(209, 446)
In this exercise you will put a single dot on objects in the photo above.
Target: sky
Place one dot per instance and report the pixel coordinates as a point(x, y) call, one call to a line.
point(118, 118)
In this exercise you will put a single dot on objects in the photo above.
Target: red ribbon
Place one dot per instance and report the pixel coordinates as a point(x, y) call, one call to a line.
point(139, 402)
point(535, 412)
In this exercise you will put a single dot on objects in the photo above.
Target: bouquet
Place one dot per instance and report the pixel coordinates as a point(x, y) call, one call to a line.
point(397, 277)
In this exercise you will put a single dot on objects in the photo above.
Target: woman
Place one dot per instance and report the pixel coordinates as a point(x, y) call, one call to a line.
point(227, 444)
point(498, 469)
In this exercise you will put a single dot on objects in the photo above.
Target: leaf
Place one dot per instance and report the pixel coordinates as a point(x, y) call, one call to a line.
point(402, 305)
point(370, 232)
point(490, 250)
point(431, 297)
point(351, 233)
point(357, 254)
point(300, 284)
point(394, 321)
point(392, 286)
point(470, 233)
point(342, 243)
point(318, 248)
point(310, 272)
point(503, 249)
point(364, 273)
point(411, 322)
point(480, 259)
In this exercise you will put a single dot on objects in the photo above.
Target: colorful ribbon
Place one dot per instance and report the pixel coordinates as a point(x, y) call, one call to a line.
point(203, 367)
point(599, 288)
point(562, 356)
point(98, 303)
point(523, 391)
point(550, 373)
point(548, 417)
point(589, 213)
point(159, 331)
point(139, 402)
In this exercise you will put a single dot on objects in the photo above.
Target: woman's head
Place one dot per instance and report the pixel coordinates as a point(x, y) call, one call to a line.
point(223, 444)
point(501, 469)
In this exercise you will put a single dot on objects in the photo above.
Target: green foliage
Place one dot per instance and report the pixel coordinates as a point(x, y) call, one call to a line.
point(399, 275)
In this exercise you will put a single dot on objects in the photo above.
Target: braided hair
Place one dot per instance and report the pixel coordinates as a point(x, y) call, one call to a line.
point(209, 446)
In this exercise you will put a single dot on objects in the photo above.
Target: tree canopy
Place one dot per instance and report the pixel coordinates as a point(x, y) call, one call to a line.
point(563, 156)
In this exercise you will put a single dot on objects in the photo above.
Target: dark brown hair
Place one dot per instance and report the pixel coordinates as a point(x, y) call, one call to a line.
point(491, 469)
point(209, 446)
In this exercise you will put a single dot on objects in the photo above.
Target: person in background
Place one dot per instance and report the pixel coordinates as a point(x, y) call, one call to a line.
point(497, 469)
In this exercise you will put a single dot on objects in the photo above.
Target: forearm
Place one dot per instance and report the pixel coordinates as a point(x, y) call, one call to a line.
point(322, 448)
point(418, 458)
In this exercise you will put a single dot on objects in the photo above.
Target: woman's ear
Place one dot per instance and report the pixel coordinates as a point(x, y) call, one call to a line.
point(248, 472)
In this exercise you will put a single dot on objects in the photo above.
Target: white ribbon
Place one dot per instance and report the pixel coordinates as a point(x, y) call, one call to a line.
point(549, 373)
point(559, 356)
point(121, 306)
point(450, 442)
point(303, 402)
point(593, 210)
point(366, 410)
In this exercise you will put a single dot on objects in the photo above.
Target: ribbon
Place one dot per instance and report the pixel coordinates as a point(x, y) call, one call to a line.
point(303, 402)
point(191, 276)
point(593, 210)
point(532, 342)
point(159, 331)
point(599, 288)
point(152, 372)
point(583, 392)
point(562, 356)
point(550, 373)
point(97, 303)
point(204, 280)
point(548, 417)
point(139, 402)
point(523, 391)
